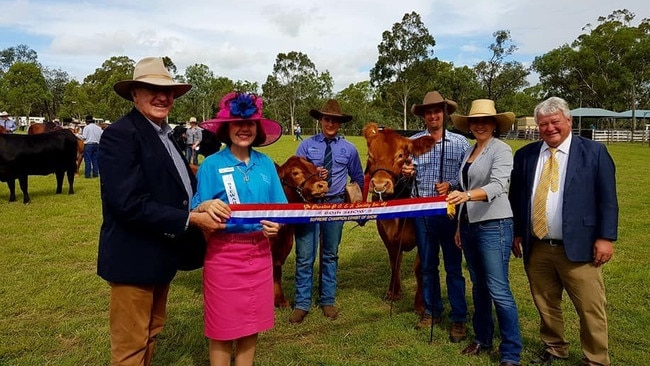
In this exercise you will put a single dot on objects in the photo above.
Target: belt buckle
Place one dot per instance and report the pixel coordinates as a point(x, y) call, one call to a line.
point(553, 242)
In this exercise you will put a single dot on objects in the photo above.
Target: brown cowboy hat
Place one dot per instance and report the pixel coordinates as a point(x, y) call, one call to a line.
point(483, 108)
point(431, 99)
point(150, 71)
point(331, 109)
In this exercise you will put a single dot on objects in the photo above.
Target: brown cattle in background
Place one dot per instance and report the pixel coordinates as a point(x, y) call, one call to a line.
point(301, 183)
point(387, 153)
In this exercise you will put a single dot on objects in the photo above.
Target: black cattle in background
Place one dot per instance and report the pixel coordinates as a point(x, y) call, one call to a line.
point(41, 154)
point(209, 143)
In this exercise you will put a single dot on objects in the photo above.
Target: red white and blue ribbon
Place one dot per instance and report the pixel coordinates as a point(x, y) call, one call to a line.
point(302, 213)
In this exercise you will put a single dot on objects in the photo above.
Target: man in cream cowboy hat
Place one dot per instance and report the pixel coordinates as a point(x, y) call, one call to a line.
point(8, 124)
point(337, 159)
point(148, 231)
point(437, 174)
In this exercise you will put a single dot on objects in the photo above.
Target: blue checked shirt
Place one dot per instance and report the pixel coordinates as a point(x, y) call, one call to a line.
point(427, 165)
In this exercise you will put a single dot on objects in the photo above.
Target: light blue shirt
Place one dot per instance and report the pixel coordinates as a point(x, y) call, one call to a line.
point(8, 124)
point(345, 160)
point(427, 165)
point(92, 134)
point(257, 182)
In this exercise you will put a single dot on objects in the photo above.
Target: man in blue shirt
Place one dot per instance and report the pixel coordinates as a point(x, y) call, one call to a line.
point(91, 136)
point(336, 159)
point(437, 173)
point(8, 124)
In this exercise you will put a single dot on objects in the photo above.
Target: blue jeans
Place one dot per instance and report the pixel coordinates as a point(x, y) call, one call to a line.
point(487, 246)
point(433, 233)
point(307, 240)
point(90, 159)
point(189, 150)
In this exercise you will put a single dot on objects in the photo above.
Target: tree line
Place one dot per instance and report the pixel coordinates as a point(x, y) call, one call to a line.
point(605, 67)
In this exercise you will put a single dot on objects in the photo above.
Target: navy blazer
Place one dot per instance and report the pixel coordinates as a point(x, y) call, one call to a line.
point(589, 203)
point(144, 204)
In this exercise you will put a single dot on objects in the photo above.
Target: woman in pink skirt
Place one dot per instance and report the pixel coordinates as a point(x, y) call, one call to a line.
point(238, 271)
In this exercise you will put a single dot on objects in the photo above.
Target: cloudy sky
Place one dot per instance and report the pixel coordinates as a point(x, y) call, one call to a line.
point(241, 39)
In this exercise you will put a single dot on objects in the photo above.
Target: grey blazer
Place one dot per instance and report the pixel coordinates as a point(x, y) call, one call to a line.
point(490, 171)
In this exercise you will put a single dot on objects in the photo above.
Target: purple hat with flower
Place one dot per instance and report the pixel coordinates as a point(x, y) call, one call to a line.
point(237, 106)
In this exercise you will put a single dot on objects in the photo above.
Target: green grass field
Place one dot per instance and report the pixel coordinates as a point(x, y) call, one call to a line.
point(53, 307)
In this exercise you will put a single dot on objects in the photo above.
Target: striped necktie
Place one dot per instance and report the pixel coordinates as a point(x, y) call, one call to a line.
point(548, 180)
point(327, 161)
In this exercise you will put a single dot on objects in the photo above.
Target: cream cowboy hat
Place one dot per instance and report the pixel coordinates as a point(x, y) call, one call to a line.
point(150, 71)
point(431, 99)
point(483, 108)
point(4, 114)
point(331, 109)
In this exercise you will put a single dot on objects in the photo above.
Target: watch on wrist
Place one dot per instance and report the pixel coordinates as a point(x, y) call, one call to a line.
point(469, 196)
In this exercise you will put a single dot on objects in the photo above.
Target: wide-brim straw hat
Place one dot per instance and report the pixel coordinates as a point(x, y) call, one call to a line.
point(150, 71)
point(432, 99)
point(483, 108)
point(4, 114)
point(237, 106)
point(331, 109)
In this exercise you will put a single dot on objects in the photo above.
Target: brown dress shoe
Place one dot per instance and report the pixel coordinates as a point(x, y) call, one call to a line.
point(457, 332)
point(426, 320)
point(330, 311)
point(297, 316)
point(474, 349)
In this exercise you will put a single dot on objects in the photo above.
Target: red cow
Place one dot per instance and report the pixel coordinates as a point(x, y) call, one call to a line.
point(301, 183)
point(387, 152)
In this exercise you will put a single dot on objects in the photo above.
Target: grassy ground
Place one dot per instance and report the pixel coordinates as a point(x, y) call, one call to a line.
point(53, 307)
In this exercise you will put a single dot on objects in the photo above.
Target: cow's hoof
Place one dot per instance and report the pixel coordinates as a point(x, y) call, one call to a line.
point(392, 296)
point(282, 303)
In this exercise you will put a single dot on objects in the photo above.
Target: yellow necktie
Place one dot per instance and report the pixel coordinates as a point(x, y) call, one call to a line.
point(548, 179)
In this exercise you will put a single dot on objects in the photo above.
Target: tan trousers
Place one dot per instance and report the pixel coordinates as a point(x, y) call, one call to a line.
point(549, 272)
point(137, 315)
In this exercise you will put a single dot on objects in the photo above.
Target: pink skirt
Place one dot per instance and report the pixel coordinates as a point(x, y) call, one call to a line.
point(237, 286)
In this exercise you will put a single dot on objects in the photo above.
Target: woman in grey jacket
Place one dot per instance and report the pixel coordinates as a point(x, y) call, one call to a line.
point(485, 229)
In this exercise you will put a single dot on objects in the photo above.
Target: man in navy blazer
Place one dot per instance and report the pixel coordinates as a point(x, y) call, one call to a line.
point(582, 223)
point(148, 231)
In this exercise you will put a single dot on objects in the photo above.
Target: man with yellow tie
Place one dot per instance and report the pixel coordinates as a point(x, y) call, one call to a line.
point(563, 197)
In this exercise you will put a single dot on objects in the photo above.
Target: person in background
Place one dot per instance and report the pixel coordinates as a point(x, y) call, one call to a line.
point(193, 139)
point(238, 273)
point(148, 231)
point(437, 173)
point(563, 197)
point(298, 132)
point(485, 229)
point(8, 124)
point(91, 135)
point(336, 159)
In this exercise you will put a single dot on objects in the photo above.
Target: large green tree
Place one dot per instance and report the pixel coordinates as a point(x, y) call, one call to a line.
point(294, 87)
point(102, 101)
point(56, 81)
point(19, 53)
point(404, 45)
point(606, 67)
point(500, 78)
point(24, 89)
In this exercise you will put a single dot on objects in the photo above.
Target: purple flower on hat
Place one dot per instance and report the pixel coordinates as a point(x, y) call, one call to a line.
point(243, 105)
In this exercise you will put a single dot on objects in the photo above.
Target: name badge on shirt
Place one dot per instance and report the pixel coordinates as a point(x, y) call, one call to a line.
point(226, 170)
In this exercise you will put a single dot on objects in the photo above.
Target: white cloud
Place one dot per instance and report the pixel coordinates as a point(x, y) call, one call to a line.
point(240, 40)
